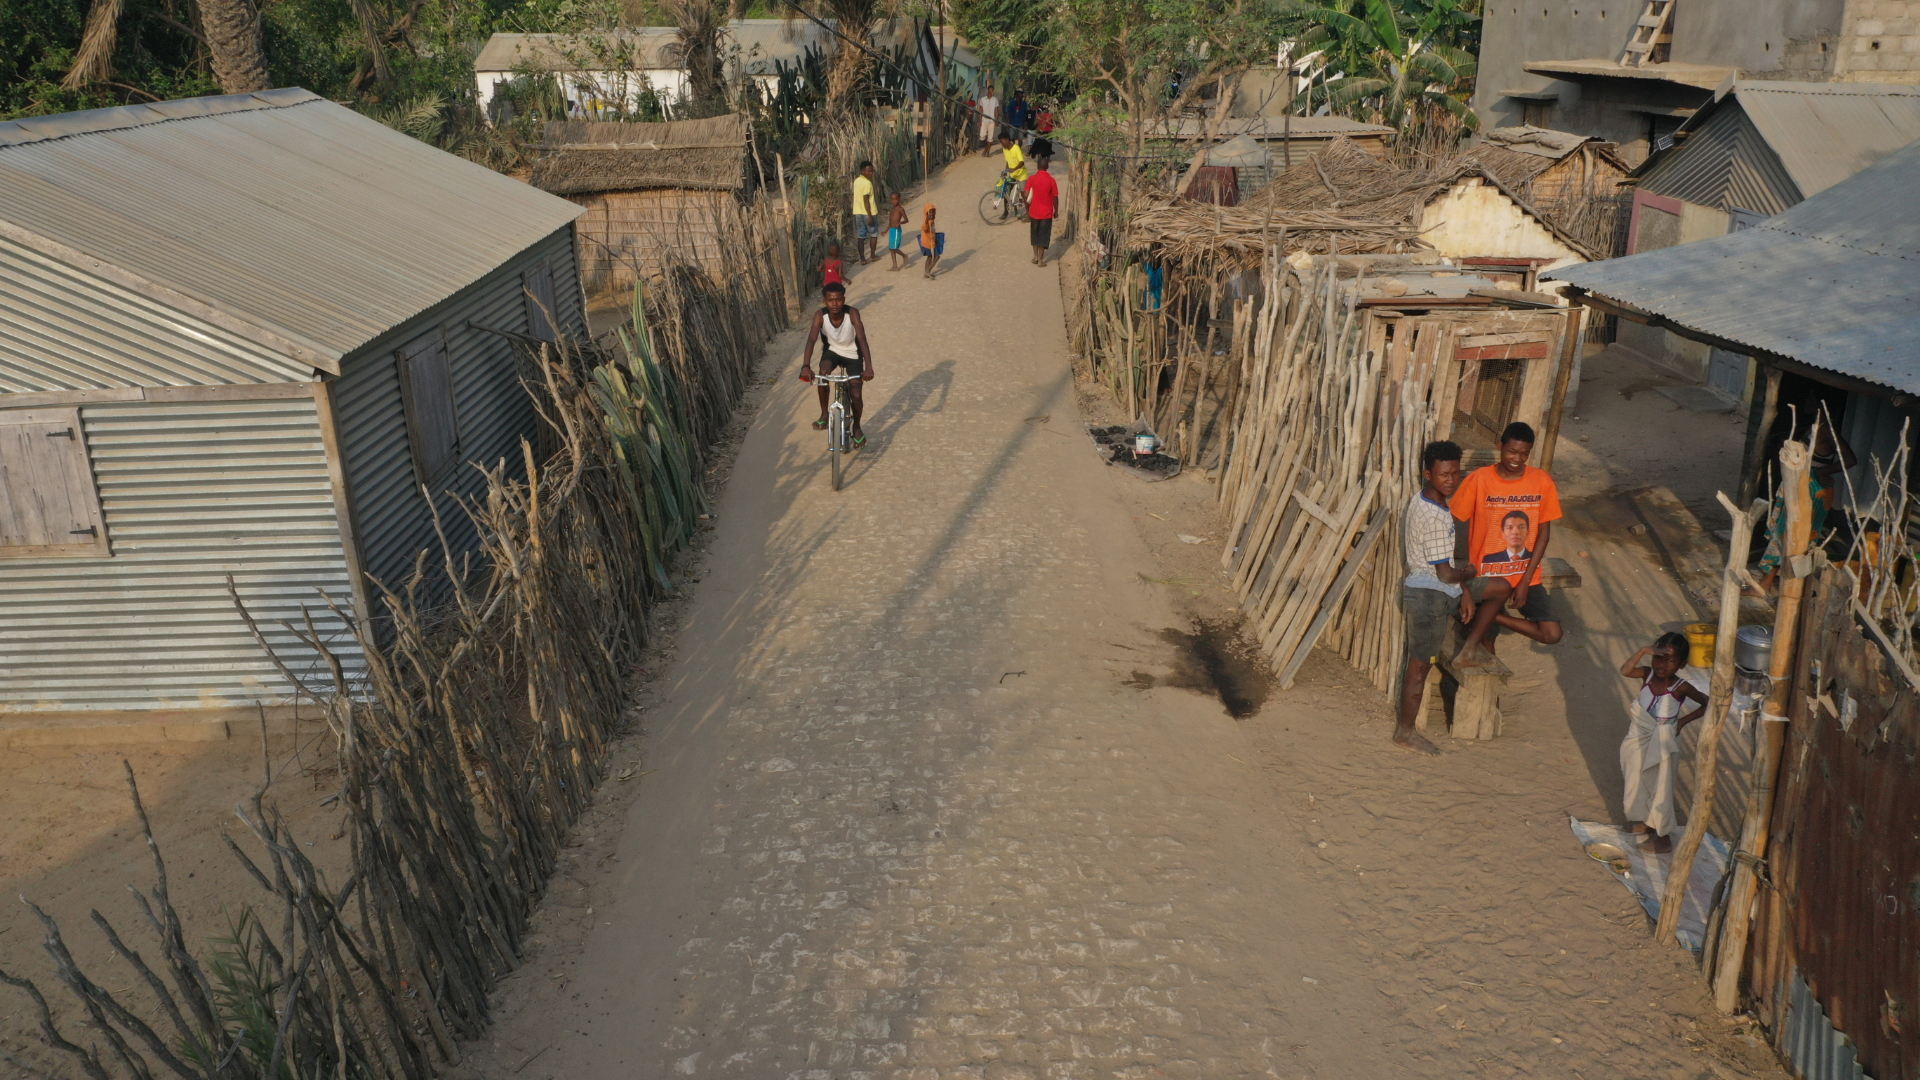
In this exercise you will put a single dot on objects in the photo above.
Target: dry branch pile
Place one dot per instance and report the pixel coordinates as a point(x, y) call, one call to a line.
point(1326, 445)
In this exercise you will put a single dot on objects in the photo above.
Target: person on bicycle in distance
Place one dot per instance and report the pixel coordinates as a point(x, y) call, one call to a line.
point(844, 346)
point(1016, 169)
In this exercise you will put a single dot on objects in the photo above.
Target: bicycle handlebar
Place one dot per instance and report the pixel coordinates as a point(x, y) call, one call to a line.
point(836, 378)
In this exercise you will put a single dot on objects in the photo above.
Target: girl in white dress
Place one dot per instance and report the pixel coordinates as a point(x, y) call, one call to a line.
point(1653, 739)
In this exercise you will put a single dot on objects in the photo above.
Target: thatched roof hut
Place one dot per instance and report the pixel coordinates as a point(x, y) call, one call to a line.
point(646, 186)
point(1543, 165)
point(581, 157)
point(1573, 180)
point(1344, 200)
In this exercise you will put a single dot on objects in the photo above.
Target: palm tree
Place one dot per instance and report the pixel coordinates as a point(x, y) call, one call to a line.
point(1403, 62)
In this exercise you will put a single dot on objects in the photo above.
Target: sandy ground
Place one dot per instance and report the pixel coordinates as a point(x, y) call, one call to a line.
point(919, 794)
point(921, 802)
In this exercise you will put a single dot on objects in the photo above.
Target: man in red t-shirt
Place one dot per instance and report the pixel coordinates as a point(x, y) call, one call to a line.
point(1043, 198)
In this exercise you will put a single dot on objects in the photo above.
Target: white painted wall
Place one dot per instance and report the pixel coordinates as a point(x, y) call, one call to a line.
point(1474, 218)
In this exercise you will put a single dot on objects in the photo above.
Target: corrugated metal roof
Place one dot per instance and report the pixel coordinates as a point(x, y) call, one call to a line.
point(1834, 282)
point(1725, 163)
point(281, 211)
point(1826, 132)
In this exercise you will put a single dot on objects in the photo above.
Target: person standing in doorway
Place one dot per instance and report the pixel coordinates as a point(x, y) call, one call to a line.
point(989, 108)
point(866, 216)
point(1431, 591)
point(1505, 514)
point(1043, 199)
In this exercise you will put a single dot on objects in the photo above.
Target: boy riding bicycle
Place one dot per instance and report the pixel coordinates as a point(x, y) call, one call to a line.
point(1016, 168)
point(844, 346)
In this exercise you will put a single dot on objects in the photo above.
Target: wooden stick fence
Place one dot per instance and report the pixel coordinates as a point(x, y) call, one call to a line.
point(1326, 446)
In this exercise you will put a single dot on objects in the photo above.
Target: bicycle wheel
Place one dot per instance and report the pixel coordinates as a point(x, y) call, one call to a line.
point(837, 437)
point(993, 209)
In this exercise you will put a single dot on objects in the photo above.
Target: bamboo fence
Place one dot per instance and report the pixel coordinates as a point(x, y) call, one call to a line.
point(474, 745)
point(1326, 446)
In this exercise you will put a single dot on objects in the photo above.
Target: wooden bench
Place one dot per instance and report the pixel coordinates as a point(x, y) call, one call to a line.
point(1475, 693)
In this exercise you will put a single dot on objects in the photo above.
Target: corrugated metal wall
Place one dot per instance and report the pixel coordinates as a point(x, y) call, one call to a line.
point(494, 412)
point(1725, 163)
point(61, 329)
point(191, 492)
point(1841, 917)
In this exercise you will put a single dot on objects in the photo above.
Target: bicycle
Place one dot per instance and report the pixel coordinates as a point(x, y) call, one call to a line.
point(837, 426)
point(998, 210)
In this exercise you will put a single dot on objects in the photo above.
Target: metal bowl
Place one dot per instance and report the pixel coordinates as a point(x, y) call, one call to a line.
point(1610, 854)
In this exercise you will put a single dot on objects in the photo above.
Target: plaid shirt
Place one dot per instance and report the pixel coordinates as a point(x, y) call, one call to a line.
point(1429, 540)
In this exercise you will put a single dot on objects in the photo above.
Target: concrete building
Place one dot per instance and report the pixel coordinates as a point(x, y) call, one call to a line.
point(609, 67)
point(1563, 64)
point(240, 338)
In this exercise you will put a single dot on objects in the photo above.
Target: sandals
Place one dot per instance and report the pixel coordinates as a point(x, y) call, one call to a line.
point(820, 424)
point(860, 441)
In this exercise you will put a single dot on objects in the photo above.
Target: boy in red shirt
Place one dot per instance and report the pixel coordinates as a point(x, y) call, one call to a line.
point(1505, 514)
point(1043, 198)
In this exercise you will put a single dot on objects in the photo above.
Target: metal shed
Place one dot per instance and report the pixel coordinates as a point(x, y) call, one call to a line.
point(1762, 146)
point(1825, 292)
point(239, 336)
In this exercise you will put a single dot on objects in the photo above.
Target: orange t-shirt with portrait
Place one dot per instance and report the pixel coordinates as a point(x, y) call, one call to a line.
point(1504, 518)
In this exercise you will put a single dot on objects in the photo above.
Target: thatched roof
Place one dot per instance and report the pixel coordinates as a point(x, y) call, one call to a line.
point(1341, 200)
point(1519, 154)
point(580, 157)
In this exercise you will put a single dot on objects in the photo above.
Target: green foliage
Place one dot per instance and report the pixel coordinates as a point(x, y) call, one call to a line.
point(156, 56)
point(1403, 60)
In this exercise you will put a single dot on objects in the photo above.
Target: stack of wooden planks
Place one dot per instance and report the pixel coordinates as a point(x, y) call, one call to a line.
point(1327, 439)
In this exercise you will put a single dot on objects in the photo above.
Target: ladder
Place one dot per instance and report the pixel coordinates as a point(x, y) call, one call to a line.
point(1654, 29)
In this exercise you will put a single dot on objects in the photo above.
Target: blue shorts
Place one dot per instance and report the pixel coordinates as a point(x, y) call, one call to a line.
point(865, 226)
point(939, 244)
point(893, 239)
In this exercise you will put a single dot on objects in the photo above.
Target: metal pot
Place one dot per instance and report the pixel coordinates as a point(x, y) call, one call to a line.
point(1753, 648)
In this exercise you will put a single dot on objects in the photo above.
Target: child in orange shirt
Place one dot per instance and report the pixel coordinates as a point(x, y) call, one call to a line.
point(932, 243)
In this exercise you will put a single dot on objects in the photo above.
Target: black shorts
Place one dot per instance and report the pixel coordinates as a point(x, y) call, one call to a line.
point(1541, 606)
point(1040, 234)
point(831, 360)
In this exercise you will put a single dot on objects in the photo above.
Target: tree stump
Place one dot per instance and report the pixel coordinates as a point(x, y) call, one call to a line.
point(1476, 706)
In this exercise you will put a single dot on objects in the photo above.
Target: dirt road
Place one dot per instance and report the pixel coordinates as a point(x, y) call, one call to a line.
point(901, 815)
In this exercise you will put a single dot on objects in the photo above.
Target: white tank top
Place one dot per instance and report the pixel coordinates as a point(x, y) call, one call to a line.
point(840, 339)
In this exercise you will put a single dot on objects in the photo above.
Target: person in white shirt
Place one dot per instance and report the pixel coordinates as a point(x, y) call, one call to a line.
point(1430, 597)
point(989, 107)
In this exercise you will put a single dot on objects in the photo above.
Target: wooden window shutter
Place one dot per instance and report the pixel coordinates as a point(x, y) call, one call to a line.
point(541, 314)
point(426, 386)
point(49, 504)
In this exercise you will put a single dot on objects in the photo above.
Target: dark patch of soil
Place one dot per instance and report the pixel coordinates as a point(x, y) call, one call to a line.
point(1213, 658)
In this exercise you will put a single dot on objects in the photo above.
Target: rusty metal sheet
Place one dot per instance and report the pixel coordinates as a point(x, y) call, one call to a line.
point(1844, 914)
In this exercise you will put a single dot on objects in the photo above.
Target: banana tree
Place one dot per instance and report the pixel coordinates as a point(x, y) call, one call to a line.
point(1403, 57)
